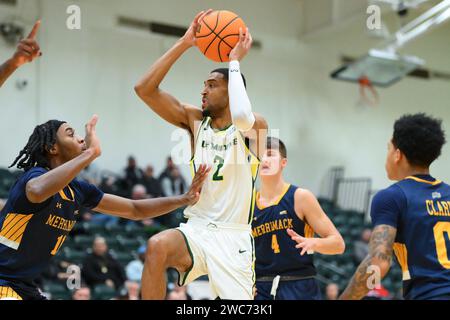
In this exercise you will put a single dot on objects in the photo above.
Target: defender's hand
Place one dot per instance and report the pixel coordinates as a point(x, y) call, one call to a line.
point(92, 141)
point(306, 244)
point(193, 193)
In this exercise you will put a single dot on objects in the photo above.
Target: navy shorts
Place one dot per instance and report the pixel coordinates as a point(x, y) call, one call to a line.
point(23, 290)
point(305, 289)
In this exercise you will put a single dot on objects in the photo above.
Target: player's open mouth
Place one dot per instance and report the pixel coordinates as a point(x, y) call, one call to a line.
point(204, 102)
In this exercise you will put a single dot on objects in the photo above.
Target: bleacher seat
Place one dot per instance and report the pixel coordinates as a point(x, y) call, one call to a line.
point(113, 230)
point(94, 228)
point(129, 244)
point(57, 291)
point(123, 257)
point(84, 241)
point(7, 179)
point(70, 242)
point(135, 231)
point(103, 292)
point(113, 243)
point(74, 256)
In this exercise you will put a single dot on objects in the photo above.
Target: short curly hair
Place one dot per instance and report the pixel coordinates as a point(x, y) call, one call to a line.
point(420, 138)
point(275, 143)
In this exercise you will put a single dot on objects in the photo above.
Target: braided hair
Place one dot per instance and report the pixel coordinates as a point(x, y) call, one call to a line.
point(35, 152)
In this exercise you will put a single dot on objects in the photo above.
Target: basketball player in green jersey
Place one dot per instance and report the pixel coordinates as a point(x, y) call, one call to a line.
point(217, 238)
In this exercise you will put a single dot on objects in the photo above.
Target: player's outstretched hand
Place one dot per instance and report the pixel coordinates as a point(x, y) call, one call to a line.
point(28, 49)
point(243, 46)
point(189, 37)
point(306, 244)
point(193, 193)
point(92, 141)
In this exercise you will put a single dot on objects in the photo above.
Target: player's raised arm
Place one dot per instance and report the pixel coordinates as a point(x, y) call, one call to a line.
point(27, 50)
point(43, 187)
point(150, 208)
point(164, 104)
point(240, 106)
point(308, 209)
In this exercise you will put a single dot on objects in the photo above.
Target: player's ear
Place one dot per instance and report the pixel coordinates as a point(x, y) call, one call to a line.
point(284, 162)
point(398, 155)
point(53, 150)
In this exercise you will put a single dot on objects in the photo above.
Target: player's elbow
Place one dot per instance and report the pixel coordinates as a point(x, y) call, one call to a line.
point(136, 218)
point(144, 91)
point(340, 246)
point(136, 215)
point(243, 122)
point(336, 244)
point(34, 192)
point(139, 89)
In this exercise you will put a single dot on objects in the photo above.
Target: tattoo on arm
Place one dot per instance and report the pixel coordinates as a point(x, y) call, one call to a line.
point(380, 254)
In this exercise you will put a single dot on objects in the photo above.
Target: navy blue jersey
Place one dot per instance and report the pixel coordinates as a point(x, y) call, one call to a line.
point(275, 250)
point(419, 207)
point(30, 234)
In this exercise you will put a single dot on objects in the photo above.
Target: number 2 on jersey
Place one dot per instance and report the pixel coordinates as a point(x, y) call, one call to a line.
point(275, 245)
point(219, 160)
point(439, 231)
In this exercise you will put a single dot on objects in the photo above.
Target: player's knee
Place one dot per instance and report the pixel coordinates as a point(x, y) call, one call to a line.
point(156, 250)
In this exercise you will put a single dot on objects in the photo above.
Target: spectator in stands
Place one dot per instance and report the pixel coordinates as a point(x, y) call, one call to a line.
point(91, 174)
point(173, 184)
point(139, 192)
point(82, 293)
point(108, 184)
point(56, 270)
point(133, 174)
point(152, 184)
point(134, 268)
point(361, 249)
point(177, 293)
point(100, 267)
point(167, 171)
point(332, 291)
point(131, 291)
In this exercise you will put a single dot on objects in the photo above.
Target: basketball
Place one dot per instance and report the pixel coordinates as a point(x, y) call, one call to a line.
point(218, 34)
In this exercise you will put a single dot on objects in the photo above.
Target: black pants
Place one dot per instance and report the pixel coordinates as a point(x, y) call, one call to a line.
point(23, 290)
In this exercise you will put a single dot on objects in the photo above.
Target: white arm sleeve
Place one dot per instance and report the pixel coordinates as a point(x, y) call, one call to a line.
point(240, 106)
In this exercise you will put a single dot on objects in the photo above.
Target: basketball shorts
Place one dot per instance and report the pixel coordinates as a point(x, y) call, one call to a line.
point(16, 290)
point(305, 289)
point(224, 252)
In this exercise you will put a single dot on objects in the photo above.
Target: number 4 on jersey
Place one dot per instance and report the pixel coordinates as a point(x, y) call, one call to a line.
point(275, 245)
